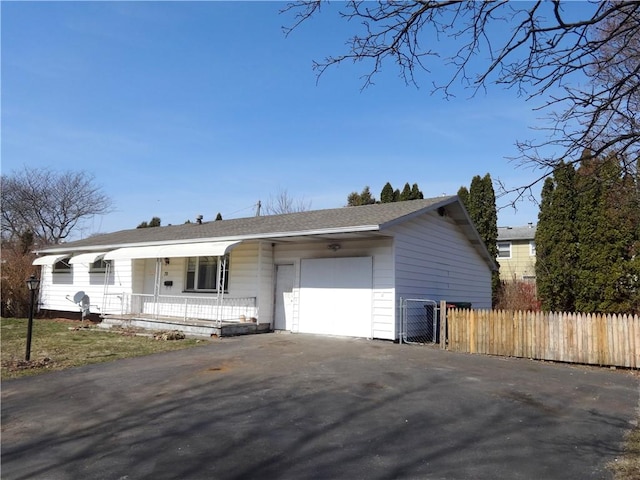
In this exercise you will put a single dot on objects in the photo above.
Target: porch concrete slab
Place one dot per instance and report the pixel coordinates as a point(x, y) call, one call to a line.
point(190, 327)
point(280, 406)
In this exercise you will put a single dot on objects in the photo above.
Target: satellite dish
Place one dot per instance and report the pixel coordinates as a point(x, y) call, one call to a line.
point(77, 298)
point(85, 305)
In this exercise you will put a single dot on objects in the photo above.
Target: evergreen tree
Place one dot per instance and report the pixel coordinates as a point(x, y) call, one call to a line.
point(556, 237)
point(363, 198)
point(463, 194)
point(544, 246)
point(607, 219)
point(416, 193)
point(480, 202)
point(155, 222)
point(483, 213)
point(386, 195)
point(406, 193)
point(218, 217)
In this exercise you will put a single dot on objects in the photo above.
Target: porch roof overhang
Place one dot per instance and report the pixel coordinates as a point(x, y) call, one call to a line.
point(87, 257)
point(49, 259)
point(215, 249)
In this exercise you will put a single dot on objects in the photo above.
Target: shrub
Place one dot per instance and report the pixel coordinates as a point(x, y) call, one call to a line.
point(518, 295)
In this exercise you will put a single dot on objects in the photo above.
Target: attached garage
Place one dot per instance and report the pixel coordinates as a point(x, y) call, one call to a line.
point(336, 296)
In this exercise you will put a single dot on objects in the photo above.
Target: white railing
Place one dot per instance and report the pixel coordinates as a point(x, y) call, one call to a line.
point(225, 309)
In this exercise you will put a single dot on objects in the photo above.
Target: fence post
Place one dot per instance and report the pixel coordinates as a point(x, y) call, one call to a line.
point(400, 328)
point(443, 324)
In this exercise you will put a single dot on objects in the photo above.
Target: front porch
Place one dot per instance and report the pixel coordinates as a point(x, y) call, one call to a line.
point(204, 316)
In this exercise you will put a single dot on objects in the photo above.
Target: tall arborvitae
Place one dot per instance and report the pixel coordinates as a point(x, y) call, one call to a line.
point(386, 195)
point(463, 195)
point(480, 202)
point(544, 239)
point(562, 234)
point(607, 220)
point(483, 213)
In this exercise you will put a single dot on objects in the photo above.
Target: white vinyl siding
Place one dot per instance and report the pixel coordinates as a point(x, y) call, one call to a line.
point(56, 289)
point(434, 260)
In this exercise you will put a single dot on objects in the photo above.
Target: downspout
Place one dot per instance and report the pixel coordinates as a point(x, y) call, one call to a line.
point(105, 288)
point(220, 296)
point(258, 280)
point(156, 287)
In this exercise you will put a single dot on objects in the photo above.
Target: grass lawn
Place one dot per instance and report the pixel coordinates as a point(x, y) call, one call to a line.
point(59, 344)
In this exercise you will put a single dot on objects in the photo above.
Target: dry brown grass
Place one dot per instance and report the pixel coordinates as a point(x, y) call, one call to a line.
point(627, 467)
point(58, 344)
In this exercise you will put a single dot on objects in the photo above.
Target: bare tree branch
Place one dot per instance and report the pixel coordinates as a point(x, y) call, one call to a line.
point(282, 202)
point(49, 204)
point(584, 65)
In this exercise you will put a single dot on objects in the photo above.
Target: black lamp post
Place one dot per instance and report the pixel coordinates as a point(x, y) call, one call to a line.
point(33, 283)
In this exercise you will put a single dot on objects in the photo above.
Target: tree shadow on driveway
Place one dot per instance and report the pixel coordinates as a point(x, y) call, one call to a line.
point(315, 407)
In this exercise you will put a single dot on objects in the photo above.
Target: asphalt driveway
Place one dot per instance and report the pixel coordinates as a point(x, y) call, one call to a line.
point(303, 407)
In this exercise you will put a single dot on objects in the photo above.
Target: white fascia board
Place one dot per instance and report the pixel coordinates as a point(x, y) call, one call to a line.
point(310, 233)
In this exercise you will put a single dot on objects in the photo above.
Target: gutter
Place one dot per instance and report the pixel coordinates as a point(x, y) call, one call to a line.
point(265, 236)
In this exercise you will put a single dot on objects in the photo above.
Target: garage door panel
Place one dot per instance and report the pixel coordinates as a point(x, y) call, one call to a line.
point(335, 296)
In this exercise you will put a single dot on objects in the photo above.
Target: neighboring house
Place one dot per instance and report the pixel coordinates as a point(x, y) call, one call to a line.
point(340, 271)
point(517, 253)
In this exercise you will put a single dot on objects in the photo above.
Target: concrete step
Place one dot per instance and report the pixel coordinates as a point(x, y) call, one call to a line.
point(193, 328)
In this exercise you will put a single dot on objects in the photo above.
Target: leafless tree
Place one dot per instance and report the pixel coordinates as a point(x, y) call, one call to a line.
point(582, 63)
point(282, 202)
point(48, 204)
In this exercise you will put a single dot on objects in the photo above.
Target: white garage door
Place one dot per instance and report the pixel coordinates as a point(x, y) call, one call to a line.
point(335, 296)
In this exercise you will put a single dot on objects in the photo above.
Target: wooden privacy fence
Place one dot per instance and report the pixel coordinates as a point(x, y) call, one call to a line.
point(609, 340)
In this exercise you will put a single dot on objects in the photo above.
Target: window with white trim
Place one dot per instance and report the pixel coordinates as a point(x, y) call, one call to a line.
point(532, 248)
point(504, 249)
point(62, 266)
point(202, 274)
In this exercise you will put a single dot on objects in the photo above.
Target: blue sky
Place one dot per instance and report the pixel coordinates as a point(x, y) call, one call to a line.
point(181, 109)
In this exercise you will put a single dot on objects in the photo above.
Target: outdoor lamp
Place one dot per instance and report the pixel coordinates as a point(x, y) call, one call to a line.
point(32, 284)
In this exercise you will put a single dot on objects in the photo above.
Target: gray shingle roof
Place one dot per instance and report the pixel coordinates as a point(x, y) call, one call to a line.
point(366, 217)
point(527, 232)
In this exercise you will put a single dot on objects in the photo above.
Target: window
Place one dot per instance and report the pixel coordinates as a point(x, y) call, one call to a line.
point(202, 274)
point(99, 266)
point(504, 249)
point(532, 248)
point(62, 266)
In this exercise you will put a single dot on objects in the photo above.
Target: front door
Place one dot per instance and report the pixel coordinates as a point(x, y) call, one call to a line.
point(284, 297)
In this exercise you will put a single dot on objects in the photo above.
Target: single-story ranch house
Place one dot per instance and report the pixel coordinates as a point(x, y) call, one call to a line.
point(340, 271)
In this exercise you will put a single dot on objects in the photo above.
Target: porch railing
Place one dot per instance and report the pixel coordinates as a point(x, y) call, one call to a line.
point(225, 309)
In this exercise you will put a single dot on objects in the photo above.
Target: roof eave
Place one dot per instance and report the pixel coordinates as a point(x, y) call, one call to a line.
point(256, 236)
point(433, 207)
